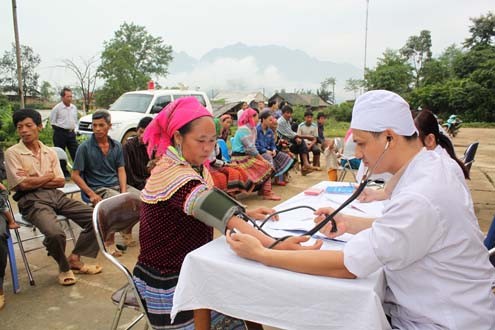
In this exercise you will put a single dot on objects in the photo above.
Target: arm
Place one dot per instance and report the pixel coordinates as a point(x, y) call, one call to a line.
point(345, 223)
point(53, 115)
point(20, 179)
point(326, 263)
point(122, 179)
point(76, 177)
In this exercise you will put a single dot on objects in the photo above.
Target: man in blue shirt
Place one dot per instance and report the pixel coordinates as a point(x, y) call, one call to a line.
point(99, 168)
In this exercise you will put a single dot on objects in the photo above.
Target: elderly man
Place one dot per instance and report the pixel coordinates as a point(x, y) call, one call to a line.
point(63, 118)
point(427, 241)
point(34, 172)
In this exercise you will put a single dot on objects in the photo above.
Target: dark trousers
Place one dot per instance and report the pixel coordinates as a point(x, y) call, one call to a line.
point(3, 247)
point(40, 207)
point(63, 138)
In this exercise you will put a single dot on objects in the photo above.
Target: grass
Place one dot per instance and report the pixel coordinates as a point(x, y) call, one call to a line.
point(482, 124)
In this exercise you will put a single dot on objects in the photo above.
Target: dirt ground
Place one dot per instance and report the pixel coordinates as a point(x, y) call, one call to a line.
point(481, 184)
point(87, 305)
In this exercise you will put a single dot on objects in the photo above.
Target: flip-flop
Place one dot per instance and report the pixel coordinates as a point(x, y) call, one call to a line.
point(88, 269)
point(66, 278)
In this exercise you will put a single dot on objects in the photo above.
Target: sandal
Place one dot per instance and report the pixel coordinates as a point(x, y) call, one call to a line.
point(66, 278)
point(88, 269)
point(113, 250)
point(271, 196)
point(128, 240)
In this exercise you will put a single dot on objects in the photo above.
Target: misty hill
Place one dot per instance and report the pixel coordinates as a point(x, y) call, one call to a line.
point(294, 64)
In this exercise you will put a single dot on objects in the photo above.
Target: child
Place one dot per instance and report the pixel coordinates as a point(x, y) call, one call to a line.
point(332, 163)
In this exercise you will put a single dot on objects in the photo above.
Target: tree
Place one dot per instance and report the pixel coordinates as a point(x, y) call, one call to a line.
point(86, 75)
point(324, 92)
point(46, 91)
point(354, 85)
point(482, 31)
point(130, 59)
point(392, 73)
point(8, 71)
point(418, 51)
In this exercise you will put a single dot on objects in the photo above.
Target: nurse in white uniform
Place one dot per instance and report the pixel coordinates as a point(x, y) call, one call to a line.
point(427, 240)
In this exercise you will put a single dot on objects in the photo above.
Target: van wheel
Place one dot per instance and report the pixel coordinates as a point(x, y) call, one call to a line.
point(128, 135)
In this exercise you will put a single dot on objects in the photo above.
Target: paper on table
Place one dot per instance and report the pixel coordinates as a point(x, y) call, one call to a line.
point(372, 209)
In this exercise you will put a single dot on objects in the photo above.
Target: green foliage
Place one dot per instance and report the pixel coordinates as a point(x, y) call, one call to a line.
point(354, 85)
point(129, 60)
point(458, 82)
point(46, 91)
point(392, 73)
point(8, 69)
point(324, 92)
point(482, 31)
point(417, 51)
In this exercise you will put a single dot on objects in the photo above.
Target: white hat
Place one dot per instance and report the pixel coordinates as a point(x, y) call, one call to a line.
point(378, 110)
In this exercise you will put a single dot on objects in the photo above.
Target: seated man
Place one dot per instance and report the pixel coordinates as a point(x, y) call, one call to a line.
point(136, 157)
point(308, 128)
point(34, 172)
point(99, 169)
point(297, 144)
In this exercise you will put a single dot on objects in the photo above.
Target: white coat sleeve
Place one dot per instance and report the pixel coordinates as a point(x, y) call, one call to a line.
point(406, 232)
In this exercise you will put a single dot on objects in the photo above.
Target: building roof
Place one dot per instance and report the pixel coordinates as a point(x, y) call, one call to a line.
point(310, 100)
point(233, 96)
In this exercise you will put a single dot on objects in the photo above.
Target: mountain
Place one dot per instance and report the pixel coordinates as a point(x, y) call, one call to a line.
point(254, 68)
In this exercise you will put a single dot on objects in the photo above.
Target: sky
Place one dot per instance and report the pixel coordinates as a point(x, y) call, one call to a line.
point(326, 29)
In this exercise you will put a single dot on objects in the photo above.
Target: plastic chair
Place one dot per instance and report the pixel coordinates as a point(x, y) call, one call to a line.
point(347, 168)
point(69, 188)
point(224, 150)
point(20, 241)
point(109, 216)
point(490, 241)
point(469, 154)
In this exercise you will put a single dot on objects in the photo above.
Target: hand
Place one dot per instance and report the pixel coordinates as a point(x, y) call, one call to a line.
point(94, 198)
point(261, 213)
point(244, 245)
point(294, 243)
point(370, 195)
point(22, 173)
point(2, 187)
point(326, 230)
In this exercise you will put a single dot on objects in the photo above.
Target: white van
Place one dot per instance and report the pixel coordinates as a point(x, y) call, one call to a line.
point(130, 107)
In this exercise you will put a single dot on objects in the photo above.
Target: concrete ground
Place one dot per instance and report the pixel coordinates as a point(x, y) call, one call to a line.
point(87, 304)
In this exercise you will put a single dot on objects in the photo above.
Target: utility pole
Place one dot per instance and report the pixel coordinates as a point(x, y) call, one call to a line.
point(18, 53)
point(366, 37)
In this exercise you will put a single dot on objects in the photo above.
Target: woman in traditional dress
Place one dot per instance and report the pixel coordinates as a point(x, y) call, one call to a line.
point(182, 136)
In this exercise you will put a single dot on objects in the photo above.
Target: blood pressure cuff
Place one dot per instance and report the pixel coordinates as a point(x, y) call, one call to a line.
point(215, 208)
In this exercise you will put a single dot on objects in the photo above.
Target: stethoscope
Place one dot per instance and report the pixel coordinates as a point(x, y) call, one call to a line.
point(330, 217)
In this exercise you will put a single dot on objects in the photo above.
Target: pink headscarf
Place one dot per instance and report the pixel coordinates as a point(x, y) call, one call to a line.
point(159, 133)
point(247, 118)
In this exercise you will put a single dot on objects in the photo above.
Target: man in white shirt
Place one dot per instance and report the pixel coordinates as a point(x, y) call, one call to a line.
point(63, 119)
point(427, 241)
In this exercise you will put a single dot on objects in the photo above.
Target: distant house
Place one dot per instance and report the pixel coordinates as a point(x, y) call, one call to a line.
point(308, 101)
point(231, 102)
point(29, 98)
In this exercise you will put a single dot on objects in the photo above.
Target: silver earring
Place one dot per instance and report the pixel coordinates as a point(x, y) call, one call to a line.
point(179, 150)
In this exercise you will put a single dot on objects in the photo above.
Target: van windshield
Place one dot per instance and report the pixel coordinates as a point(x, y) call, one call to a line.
point(132, 103)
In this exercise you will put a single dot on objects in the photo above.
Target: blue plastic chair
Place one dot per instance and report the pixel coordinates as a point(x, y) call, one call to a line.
point(224, 150)
point(490, 241)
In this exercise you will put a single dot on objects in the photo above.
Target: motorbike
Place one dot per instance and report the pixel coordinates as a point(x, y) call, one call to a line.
point(453, 125)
